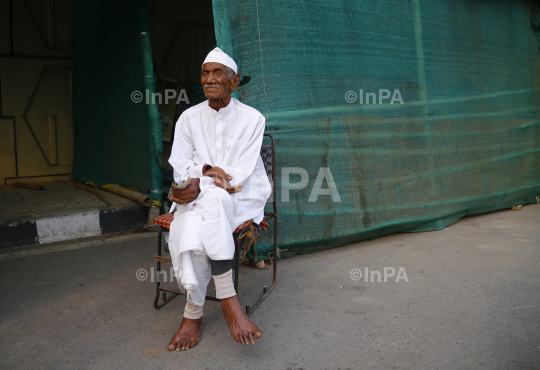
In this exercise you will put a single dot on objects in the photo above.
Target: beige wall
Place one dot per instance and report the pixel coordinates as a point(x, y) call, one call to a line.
point(36, 39)
point(35, 80)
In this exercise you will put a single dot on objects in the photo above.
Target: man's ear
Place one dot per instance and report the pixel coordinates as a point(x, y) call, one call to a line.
point(235, 81)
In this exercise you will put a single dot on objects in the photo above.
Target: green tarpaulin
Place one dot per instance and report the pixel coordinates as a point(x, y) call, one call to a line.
point(466, 139)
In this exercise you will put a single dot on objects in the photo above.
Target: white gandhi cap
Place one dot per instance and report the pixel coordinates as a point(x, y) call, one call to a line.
point(218, 56)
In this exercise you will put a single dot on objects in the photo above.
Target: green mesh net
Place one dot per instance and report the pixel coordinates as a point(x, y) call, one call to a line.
point(466, 139)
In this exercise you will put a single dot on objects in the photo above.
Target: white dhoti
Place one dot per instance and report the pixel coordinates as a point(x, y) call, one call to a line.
point(202, 230)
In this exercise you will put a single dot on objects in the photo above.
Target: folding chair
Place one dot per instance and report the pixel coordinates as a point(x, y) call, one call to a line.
point(244, 236)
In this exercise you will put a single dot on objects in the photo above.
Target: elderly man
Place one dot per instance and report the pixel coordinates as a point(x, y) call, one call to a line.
point(217, 145)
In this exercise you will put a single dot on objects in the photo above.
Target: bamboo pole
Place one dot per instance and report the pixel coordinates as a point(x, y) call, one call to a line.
point(143, 199)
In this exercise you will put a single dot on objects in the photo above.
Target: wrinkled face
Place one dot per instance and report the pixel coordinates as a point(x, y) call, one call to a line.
point(215, 81)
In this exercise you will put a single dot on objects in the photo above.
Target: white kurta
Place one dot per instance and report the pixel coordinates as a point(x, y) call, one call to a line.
point(230, 139)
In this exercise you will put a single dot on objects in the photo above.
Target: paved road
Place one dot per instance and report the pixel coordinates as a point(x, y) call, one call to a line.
point(472, 301)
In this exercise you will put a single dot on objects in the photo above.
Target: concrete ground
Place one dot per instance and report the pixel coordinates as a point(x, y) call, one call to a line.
point(472, 301)
point(57, 199)
point(63, 212)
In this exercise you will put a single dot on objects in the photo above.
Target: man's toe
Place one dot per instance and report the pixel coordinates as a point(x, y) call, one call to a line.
point(251, 338)
point(258, 335)
point(172, 344)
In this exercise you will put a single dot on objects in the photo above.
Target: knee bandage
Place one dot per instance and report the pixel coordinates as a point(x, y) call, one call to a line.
point(193, 311)
point(224, 285)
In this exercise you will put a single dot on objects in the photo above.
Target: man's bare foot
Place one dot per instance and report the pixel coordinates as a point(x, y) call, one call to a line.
point(242, 329)
point(188, 335)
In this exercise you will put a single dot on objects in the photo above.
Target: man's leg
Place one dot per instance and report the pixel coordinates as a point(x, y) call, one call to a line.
point(216, 209)
point(242, 329)
point(189, 333)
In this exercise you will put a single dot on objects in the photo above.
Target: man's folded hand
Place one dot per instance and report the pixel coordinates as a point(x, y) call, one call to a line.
point(188, 194)
point(221, 179)
point(221, 182)
point(218, 172)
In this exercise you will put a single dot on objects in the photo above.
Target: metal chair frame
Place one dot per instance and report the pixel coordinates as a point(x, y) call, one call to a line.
point(238, 245)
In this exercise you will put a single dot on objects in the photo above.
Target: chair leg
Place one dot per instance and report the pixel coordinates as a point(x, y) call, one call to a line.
point(266, 291)
point(158, 275)
point(158, 268)
point(236, 264)
point(274, 274)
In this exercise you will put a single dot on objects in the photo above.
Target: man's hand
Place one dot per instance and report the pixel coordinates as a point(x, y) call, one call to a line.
point(221, 182)
point(221, 179)
point(188, 194)
point(218, 172)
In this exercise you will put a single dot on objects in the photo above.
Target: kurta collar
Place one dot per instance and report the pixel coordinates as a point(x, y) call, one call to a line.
point(223, 111)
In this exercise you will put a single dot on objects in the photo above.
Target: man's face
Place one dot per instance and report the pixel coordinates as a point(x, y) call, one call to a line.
point(215, 82)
